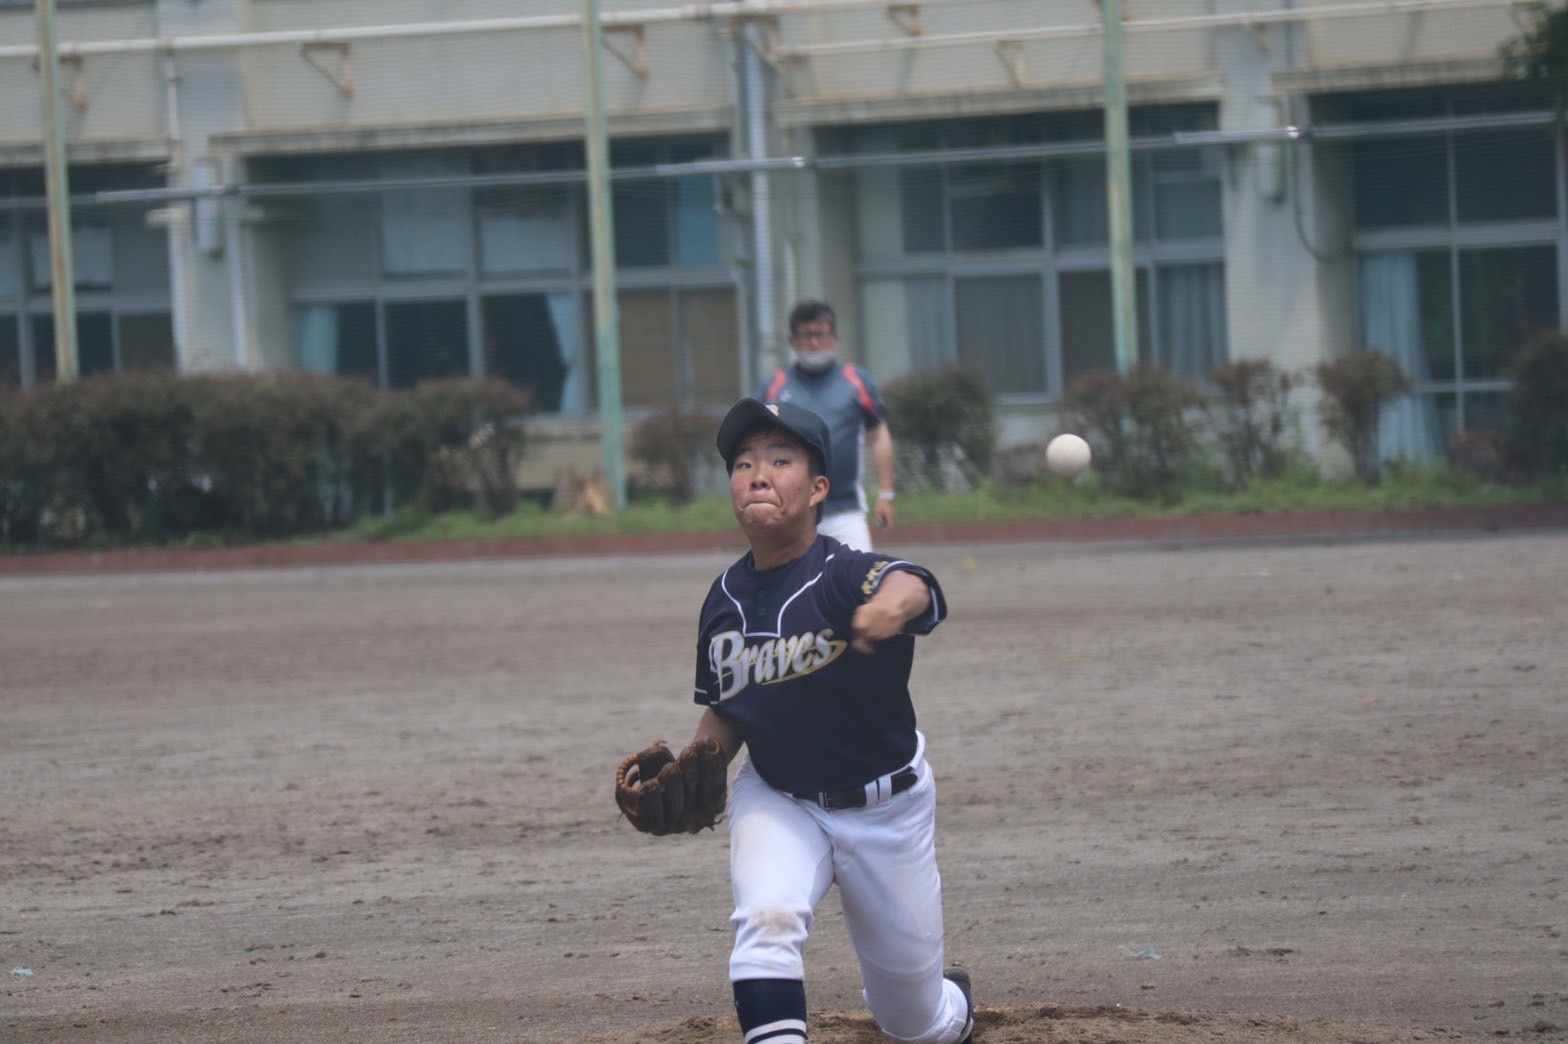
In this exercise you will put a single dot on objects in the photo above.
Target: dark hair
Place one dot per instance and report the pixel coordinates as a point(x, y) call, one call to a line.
point(810, 312)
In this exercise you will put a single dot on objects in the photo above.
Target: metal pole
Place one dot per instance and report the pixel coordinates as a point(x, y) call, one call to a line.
point(62, 277)
point(756, 115)
point(606, 312)
point(1118, 192)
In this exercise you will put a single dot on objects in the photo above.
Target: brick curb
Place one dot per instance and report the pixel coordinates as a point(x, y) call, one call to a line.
point(1200, 527)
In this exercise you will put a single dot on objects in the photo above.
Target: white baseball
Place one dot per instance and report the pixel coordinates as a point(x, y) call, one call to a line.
point(1067, 455)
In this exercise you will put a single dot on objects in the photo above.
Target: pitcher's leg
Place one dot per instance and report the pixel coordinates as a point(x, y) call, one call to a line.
point(780, 868)
point(892, 897)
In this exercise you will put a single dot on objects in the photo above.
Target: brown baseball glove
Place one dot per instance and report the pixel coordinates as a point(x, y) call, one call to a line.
point(661, 793)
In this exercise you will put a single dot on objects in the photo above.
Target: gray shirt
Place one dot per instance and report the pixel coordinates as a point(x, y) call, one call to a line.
point(848, 401)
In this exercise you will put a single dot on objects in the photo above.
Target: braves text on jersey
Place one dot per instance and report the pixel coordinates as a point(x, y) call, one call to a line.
point(773, 657)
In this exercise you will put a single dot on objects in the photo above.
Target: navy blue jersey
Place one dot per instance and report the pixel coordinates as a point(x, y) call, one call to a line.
point(848, 401)
point(773, 658)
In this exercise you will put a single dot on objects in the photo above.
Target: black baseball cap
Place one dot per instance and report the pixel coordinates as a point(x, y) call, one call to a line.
point(747, 415)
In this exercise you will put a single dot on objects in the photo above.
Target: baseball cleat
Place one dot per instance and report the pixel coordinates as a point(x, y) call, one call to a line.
point(960, 978)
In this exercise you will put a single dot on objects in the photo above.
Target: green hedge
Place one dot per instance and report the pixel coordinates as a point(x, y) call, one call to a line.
point(159, 458)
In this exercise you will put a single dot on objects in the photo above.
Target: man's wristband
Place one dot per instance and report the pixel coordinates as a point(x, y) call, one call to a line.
point(884, 494)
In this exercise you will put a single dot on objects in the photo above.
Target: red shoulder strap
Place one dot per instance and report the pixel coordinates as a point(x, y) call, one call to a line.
point(776, 385)
point(862, 396)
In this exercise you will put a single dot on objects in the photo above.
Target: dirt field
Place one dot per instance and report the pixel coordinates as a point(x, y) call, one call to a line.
point(1306, 791)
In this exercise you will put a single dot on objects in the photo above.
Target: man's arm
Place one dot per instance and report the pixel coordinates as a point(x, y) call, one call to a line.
point(881, 440)
point(900, 598)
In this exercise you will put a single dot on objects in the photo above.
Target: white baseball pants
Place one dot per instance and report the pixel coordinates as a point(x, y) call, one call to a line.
point(784, 855)
point(848, 527)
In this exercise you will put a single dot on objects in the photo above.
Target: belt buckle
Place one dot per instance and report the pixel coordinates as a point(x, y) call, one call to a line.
point(841, 801)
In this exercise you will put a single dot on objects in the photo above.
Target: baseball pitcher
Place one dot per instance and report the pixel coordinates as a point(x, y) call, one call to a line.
point(803, 657)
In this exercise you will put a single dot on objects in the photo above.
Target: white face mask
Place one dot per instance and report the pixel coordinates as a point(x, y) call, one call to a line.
point(815, 361)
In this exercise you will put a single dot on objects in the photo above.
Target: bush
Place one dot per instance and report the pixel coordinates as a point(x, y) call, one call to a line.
point(105, 455)
point(1144, 427)
point(1535, 426)
point(941, 419)
point(273, 451)
point(22, 474)
point(1252, 417)
point(113, 459)
point(446, 443)
point(669, 444)
point(1356, 389)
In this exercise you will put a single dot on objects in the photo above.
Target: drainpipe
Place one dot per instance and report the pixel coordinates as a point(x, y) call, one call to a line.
point(242, 353)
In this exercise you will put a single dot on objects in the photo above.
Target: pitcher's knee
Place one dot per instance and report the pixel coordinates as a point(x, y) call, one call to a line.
point(770, 943)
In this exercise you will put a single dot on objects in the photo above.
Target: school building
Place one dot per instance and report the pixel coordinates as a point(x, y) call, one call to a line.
point(396, 189)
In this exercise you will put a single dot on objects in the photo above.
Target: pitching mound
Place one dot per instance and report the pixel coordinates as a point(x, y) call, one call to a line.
point(1055, 1024)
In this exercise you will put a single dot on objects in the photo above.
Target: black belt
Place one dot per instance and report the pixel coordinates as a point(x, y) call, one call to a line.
point(834, 801)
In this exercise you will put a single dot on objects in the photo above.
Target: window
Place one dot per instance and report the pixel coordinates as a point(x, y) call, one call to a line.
point(425, 231)
point(994, 314)
point(983, 251)
point(1190, 337)
point(1475, 175)
point(972, 208)
point(1176, 192)
point(92, 266)
point(664, 221)
point(1459, 242)
point(339, 340)
point(1505, 177)
point(10, 351)
point(433, 279)
point(529, 339)
point(426, 340)
point(94, 345)
point(10, 261)
point(1507, 298)
point(678, 346)
point(1088, 325)
point(647, 348)
point(709, 319)
point(146, 342)
point(908, 324)
point(527, 230)
point(105, 343)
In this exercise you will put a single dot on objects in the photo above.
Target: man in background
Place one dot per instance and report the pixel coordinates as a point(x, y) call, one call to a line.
point(846, 397)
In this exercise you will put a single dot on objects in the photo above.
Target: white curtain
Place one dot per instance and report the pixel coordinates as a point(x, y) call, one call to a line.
point(318, 339)
point(999, 322)
point(927, 304)
point(574, 390)
point(425, 230)
point(531, 234)
point(696, 222)
point(1192, 319)
point(1391, 323)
